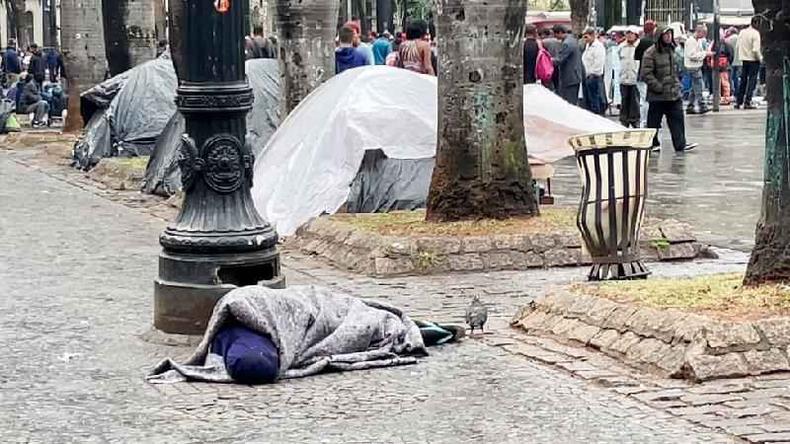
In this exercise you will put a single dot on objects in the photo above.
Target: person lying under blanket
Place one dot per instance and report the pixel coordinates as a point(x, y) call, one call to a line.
point(258, 335)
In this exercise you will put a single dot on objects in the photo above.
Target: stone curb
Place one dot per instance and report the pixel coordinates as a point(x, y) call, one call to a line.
point(668, 342)
point(377, 255)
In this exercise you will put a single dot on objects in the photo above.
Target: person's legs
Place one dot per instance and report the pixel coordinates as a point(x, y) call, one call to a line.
point(695, 98)
point(752, 69)
point(250, 357)
point(725, 87)
point(676, 123)
point(570, 93)
point(735, 80)
point(593, 98)
point(643, 104)
point(655, 112)
point(629, 106)
point(742, 85)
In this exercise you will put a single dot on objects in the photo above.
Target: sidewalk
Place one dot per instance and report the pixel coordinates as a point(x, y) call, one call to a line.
point(76, 275)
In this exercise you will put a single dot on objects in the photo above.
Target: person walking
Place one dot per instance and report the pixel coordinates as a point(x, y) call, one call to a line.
point(593, 59)
point(381, 48)
point(693, 58)
point(531, 50)
point(659, 72)
point(646, 42)
point(750, 56)
point(37, 66)
point(569, 64)
point(629, 73)
point(415, 53)
point(346, 55)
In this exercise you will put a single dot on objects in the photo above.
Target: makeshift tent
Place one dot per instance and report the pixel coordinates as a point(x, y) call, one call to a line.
point(162, 175)
point(127, 113)
point(310, 164)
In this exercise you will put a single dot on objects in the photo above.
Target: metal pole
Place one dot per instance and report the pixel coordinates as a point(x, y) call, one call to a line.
point(716, 83)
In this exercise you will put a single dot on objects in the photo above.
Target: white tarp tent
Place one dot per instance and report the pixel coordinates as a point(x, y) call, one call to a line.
point(308, 165)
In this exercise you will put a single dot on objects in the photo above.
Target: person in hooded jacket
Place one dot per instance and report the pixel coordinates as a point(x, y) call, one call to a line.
point(346, 55)
point(659, 72)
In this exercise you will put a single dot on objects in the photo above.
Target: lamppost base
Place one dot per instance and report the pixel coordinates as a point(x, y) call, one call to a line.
point(190, 285)
point(618, 271)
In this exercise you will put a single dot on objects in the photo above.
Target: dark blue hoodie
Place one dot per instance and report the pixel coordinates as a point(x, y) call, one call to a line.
point(347, 58)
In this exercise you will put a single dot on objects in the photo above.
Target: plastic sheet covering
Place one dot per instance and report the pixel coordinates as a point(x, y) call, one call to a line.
point(141, 104)
point(7, 108)
point(311, 161)
point(384, 184)
point(162, 175)
point(95, 134)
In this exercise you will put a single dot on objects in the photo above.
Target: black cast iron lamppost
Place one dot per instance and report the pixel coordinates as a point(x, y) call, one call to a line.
point(218, 242)
point(613, 170)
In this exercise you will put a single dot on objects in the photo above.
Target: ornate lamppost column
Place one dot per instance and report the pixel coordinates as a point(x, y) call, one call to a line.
point(218, 242)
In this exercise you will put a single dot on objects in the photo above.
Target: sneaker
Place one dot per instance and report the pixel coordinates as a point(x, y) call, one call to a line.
point(749, 106)
point(691, 111)
point(737, 106)
point(655, 148)
point(704, 110)
point(37, 125)
point(688, 147)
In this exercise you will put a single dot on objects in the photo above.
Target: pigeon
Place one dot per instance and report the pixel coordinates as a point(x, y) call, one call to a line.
point(476, 314)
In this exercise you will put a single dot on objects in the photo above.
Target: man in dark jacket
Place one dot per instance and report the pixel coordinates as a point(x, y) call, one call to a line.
point(11, 63)
point(32, 102)
point(659, 72)
point(37, 66)
point(569, 63)
point(346, 56)
point(531, 49)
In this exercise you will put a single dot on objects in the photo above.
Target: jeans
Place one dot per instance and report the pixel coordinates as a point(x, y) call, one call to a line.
point(41, 111)
point(748, 82)
point(673, 111)
point(593, 90)
point(695, 98)
point(735, 79)
point(629, 106)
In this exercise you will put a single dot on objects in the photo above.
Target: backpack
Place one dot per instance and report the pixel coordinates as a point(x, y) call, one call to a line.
point(544, 65)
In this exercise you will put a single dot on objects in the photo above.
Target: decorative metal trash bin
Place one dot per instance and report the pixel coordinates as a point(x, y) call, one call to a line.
point(613, 172)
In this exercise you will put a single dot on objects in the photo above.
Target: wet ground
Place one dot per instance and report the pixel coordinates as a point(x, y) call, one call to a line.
point(716, 188)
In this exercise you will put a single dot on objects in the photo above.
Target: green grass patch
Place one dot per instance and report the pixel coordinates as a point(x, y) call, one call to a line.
point(412, 223)
point(722, 295)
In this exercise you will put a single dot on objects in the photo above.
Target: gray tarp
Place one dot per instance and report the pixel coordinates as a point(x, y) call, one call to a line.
point(162, 175)
point(137, 105)
point(383, 184)
point(314, 329)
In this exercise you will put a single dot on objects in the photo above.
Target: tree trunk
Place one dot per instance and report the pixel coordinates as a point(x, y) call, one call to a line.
point(129, 32)
point(482, 170)
point(384, 18)
point(306, 31)
point(770, 260)
point(580, 13)
point(160, 19)
point(83, 52)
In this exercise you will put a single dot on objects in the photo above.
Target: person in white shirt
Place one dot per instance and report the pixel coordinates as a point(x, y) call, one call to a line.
point(629, 73)
point(693, 57)
point(593, 60)
point(748, 50)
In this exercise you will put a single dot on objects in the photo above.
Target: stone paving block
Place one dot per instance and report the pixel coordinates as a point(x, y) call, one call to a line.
point(581, 305)
point(776, 330)
point(465, 262)
point(509, 242)
point(647, 351)
point(386, 266)
point(673, 360)
point(724, 335)
point(562, 257)
point(661, 395)
point(618, 318)
point(768, 437)
point(766, 361)
point(707, 367)
point(604, 339)
point(683, 250)
point(773, 427)
point(642, 321)
point(767, 393)
point(599, 312)
point(535, 260)
point(582, 332)
point(716, 409)
point(554, 346)
point(697, 400)
point(497, 260)
point(439, 245)
point(624, 342)
point(477, 244)
point(752, 411)
point(534, 320)
point(541, 244)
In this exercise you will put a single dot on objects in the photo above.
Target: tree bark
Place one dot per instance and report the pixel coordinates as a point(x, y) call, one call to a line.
point(580, 13)
point(83, 52)
point(770, 260)
point(482, 169)
point(306, 31)
point(129, 32)
point(160, 19)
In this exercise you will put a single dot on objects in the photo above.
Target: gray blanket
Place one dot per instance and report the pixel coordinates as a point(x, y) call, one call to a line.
point(314, 329)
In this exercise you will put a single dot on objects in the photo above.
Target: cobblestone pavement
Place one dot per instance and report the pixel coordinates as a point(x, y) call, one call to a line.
point(75, 279)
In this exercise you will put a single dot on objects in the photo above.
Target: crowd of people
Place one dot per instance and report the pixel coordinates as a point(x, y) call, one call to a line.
point(648, 74)
point(32, 82)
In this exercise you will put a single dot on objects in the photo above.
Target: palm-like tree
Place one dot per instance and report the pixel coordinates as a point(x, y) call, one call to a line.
point(482, 168)
point(83, 52)
point(770, 261)
point(306, 31)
